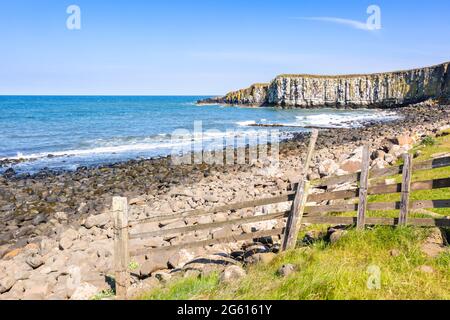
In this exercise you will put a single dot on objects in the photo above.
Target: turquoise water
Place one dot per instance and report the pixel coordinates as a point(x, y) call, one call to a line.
point(68, 132)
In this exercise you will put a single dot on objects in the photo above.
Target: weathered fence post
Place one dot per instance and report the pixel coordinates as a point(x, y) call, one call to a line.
point(298, 205)
point(363, 186)
point(121, 253)
point(406, 187)
point(295, 218)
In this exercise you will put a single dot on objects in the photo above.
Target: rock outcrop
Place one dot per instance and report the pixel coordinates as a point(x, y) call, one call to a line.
point(379, 90)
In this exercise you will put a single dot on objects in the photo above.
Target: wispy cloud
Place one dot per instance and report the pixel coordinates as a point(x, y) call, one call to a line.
point(347, 22)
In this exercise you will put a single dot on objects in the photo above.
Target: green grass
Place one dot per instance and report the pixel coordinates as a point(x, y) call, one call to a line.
point(340, 271)
point(184, 289)
point(428, 150)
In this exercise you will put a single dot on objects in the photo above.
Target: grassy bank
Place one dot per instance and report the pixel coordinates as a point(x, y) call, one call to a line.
point(341, 270)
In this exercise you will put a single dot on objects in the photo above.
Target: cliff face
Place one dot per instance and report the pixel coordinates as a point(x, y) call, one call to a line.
point(372, 90)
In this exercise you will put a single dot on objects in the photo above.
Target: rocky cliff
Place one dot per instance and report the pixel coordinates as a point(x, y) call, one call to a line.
point(371, 90)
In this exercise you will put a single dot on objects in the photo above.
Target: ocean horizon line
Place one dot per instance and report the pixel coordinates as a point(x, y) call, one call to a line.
point(108, 95)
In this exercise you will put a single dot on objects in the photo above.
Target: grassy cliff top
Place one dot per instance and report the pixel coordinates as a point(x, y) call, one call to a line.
point(339, 76)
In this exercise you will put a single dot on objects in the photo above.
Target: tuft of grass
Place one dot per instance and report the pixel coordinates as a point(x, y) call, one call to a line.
point(184, 289)
point(133, 265)
point(428, 141)
point(104, 295)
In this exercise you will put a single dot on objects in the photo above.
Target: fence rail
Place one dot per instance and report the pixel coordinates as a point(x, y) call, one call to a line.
point(306, 207)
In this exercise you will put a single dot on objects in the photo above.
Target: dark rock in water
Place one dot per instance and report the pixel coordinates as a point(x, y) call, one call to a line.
point(9, 173)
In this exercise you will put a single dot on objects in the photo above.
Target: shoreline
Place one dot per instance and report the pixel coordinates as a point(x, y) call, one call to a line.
point(158, 173)
point(65, 219)
point(9, 163)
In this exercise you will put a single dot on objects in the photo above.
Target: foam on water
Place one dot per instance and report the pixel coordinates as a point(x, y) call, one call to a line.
point(344, 120)
point(68, 132)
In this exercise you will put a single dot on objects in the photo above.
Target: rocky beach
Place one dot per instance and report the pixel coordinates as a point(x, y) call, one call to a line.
point(55, 227)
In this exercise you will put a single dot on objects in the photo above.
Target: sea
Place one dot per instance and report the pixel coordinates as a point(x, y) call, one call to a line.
point(68, 132)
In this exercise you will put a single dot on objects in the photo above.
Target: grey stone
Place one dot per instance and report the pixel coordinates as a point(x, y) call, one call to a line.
point(336, 235)
point(84, 291)
point(36, 290)
point(286, 270)
point(67, 238)
point(232, 273)
point(211, 198)
point(264, 258)
point(35, 261)
point(40, 218)
point(6, 283)
point(47, 245)
point(61, 216)
point(99, 220)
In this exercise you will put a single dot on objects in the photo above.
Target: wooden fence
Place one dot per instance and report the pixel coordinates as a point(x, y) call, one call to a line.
point(306, 207)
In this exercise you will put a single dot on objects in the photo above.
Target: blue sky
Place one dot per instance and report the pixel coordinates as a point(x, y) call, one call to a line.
point(207, 46)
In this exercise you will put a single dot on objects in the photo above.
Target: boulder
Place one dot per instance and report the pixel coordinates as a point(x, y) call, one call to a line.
point(84, 291)
point(6, 283)
point(209, 263)
point(35, 261)
point(163, 276)
point(327, 167)
point(435, 244)
point(139, 201)
point(286, 270)
point(223, 232)
point(145, 227)
point(404, 140)
point(220, 217)
point(174, 225)
point(61, 216)
point(153, 263)
point(397, 151)
point(335, 234)
point(180, 258)
point(211, 198)
point(11, 254)
point(99, 220)
point(264, 258)
point(142, 286)
point(17, 290)
point(22, 272)
point(36, 290)
point(9, 173)
point(379, 163)
point(426, 269)
point(232, 273)
point(47, 245)
point(67, 238)
point(390, 158)
point(378, 154)
point(351, 165)
point(72, 280)
point(312, 236)
point(38, 219)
